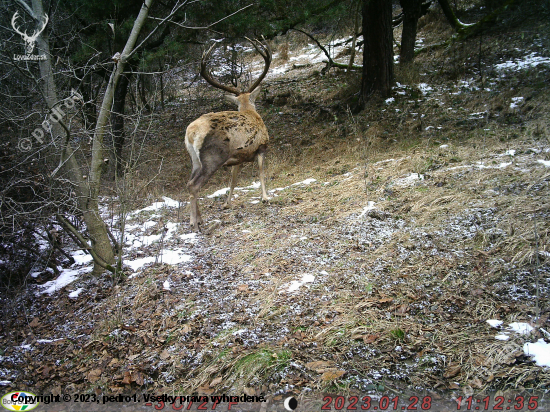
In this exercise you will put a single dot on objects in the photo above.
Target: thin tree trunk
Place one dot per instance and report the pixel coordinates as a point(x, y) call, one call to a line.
point(377, 50)
point(412, 10)
point(117, 122)
point(104, 249)
point(354, 41)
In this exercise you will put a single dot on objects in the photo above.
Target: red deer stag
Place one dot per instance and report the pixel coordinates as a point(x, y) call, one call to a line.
point(227, 138)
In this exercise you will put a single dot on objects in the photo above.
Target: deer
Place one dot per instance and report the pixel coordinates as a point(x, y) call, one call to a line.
point(228, 138)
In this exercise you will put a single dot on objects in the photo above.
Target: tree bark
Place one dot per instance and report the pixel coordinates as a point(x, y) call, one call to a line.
point(378, 50)
point(412, 10)
point(117, 122)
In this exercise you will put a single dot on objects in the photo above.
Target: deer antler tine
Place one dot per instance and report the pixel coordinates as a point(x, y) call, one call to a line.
point(13, 19)
point(265, 52)
point(206, 74)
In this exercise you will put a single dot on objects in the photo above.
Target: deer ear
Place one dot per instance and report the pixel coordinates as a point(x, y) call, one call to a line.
point(232, 99)
point(254, 94)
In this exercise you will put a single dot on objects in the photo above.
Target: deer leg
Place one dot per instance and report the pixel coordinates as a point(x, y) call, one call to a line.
point(261, 160)
point(234, 172)
point(195, 219)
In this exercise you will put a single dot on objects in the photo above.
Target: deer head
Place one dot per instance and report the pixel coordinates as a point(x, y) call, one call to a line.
point(243, 100)
point(29, 40)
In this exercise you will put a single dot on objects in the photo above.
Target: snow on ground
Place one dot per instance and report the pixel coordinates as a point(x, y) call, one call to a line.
point(296, 284)
point(66, 277)
point(141, 236)
point(540, 351)
point(528, 61)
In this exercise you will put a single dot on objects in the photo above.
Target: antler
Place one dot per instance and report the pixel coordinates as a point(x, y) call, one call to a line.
point(265, 51)
point(206, 74)
point(15, 16)
point(37, 32)
point(261, 48)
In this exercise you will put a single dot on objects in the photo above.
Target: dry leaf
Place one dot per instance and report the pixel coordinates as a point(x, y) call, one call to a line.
point(242, 288)
point(402, 309)
point(186, 328)
point(320, 366)
point(216, 381)
point(452, 371)
point(205, 390)
point(371, 338)
point(137, 377)
point(385, 300)
point(35, 322)
point(93, 375)
point(476, 383)
point(249, 391)
point(164, 354)
point(127, 380)
point(332, 374)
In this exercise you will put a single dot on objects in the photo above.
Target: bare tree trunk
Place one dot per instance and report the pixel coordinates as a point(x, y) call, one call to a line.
point(354, 40)
point(117, 122)
point(412, 10)
point(103, 245)
point(378, 50)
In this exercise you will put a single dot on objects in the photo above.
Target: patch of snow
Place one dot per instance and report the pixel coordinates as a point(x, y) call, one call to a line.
point(166, 285)
point(219, 193)
point(139, 263)
point(167, 202)
point(546, 163)
point(510, 152)
point(531, 60)
point(390, 100)
point(173, 257)
point(444, 146)
point(370, 206)
point(521, 327)
point(516, 102)
point(409, 180)
point(66, 277)
point(540, 351)
point(74, 294)
point(494, 322)
point(305, 182)
point(81, 258)
point(295, 284)
point(424, 88)
point(502, 337)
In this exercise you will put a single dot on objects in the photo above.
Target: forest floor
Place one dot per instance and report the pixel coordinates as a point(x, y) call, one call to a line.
point(390, 240)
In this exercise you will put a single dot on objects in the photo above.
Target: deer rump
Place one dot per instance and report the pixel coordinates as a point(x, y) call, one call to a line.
point(225, 139)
